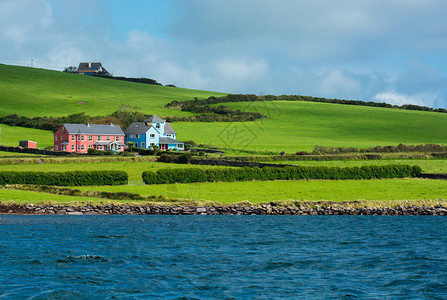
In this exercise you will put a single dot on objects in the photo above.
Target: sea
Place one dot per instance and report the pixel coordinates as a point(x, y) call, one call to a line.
point(223, 257)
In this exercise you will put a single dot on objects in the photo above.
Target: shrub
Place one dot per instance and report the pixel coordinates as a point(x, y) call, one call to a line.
point(72, 178)
point(272, 173)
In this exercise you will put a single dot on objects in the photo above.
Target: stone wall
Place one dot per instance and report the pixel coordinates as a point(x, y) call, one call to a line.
point(265, 209)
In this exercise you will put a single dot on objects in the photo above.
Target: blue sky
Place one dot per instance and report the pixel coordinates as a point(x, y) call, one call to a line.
point(381, 50)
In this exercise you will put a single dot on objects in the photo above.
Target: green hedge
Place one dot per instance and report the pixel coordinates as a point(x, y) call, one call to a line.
point(272, 173)
point(73, 178)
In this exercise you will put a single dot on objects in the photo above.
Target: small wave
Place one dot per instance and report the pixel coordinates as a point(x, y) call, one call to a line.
point(82, 258)
point(109, 236)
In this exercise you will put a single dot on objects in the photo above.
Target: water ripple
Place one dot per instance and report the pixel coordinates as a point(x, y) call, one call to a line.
point(225, 257)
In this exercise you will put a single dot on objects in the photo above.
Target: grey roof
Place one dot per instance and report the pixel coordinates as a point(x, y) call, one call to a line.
point(169, 129)
point(93, 129)
point(154, 118)
point(166, 140)
point(138, 128)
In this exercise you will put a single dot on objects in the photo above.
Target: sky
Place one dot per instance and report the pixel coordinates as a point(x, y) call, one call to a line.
point(391, 51)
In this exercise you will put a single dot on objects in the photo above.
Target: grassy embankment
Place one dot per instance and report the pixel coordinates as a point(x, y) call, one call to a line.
point(36, 92)
point(254, 192)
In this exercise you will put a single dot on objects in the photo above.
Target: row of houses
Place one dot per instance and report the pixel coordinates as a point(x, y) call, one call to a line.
point(152, 132)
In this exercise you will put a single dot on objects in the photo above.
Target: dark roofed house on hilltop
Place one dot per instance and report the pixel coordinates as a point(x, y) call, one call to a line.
point(92, 69)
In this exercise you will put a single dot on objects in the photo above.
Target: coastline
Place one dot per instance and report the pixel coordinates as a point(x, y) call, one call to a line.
point(238, 209)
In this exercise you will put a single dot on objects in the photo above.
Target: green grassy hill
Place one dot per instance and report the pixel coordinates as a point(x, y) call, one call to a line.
point(296, 126)
point(36, 92)
point(291, 126)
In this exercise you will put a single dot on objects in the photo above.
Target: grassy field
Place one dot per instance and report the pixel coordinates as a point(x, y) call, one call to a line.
point(11, 135)
point(296, 126)
point(427, 165)
point(290, 127)
point(316, 190)
point(9, 154)
point(25, 197)
point(36, 92)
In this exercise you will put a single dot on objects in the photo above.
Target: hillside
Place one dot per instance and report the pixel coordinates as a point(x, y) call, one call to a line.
point(291, 126)
point(36, 92)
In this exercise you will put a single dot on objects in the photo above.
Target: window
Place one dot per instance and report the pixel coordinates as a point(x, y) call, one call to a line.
point(118, 147)
point(55, 138)
point(78, 138)
point(90, 138)
point(90, 146)
point(56, 147)
point(136, 145)
point(61, 137)
point(108, 138)
point(129, 136)
point(99, 138)
point(157, 126)
point(117, 138)
point(137, 136)
point(78, 147)
point(82, 137)
point(82, 148)
point(152, 135)
point(72, 147)
point(73, 138)
point(143, 145)
point(179, 146)
point(63, 129)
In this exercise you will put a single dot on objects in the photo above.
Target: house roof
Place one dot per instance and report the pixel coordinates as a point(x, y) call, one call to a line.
point(169, 129)
point(93, 129)
point(92, 67)
point(154, 118)
point(137, 128)
point(166, 140)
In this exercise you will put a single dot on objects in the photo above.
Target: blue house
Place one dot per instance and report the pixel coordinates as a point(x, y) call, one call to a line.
point(153, 132)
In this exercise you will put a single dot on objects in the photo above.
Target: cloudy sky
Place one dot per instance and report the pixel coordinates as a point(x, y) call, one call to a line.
point(382, 50)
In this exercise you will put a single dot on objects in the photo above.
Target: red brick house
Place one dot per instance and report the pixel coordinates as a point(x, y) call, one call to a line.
point(80, 137)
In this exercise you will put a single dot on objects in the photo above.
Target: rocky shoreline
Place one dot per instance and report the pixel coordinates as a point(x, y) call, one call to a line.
point(265, 209)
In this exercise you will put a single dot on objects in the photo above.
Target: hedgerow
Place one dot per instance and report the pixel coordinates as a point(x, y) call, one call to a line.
point(271, 173)
point(72, 178)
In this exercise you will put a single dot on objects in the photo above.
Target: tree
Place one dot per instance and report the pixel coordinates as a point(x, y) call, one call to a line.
point(70, 69)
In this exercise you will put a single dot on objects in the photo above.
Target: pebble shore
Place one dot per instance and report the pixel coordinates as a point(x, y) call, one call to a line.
point(265, 209)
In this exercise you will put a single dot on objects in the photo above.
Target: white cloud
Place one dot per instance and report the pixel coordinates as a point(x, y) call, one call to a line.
point(394, 98)
point(335, 82)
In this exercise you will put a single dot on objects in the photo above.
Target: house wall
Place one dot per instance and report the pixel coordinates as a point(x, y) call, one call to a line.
point(80, 143)
point(137, 141)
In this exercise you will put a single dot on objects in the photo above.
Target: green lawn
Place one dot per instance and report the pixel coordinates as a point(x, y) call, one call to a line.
point(8, 154)
point(36, 92)
point(25, 197)
point(297, 126)
point(427, 165)
point(11, 135)
point(266, 191)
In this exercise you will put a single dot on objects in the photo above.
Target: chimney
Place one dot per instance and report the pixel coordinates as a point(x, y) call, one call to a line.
point(88, 124)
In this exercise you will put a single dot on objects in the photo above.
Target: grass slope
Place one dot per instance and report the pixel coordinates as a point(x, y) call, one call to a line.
point(315, 190)
point(36, 92)
point(296, 126)
point(11, 135)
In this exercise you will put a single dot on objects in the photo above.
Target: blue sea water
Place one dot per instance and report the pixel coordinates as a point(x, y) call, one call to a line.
point(223, 257)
